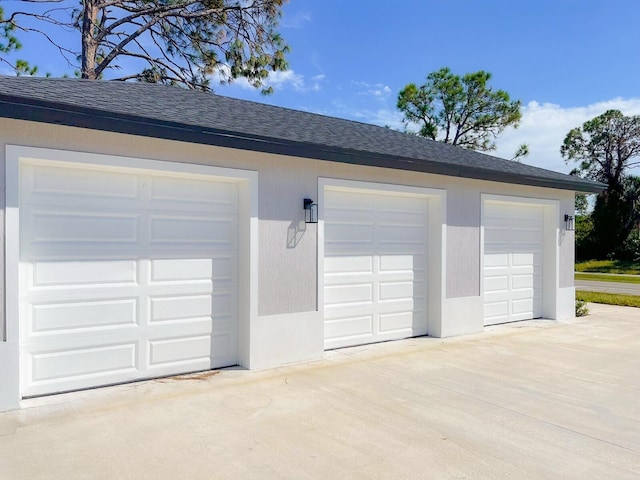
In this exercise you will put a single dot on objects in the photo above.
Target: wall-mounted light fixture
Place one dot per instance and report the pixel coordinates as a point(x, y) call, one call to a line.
point(310, 211)
point(568, 222)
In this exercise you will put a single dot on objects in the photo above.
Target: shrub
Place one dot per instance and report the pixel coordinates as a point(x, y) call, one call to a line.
point(630, 248)
point(581, 308)
point(585, 241)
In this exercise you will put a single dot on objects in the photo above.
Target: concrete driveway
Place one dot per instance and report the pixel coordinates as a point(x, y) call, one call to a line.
point(531, 400)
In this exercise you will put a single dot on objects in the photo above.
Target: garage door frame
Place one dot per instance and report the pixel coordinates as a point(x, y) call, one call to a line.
point(550, 262)
point(436, 241)
point(247, 181)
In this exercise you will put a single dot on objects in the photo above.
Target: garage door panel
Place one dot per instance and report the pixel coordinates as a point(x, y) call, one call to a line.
point(349, 234)
point(405, 234)
point(192, 229)
point(61, 273)
point(78, 316)
point(352, 327)
point(400, 304)
point(523, 281)
point(400, 321)
point(496, 296)
point(348, 264)
point(496, 259)
point(496, 236)
point(396, 217)
point(192, 269)
point(351, 278)
point(528, 257)
point(512, 274)
point(212, 307)
point(524, 294)
point(528, 236)
point(76, 227)
point(401, 275)
point(496, 310)
point(348, 310)
point(65, 185)
point(180, 308)
point(523, 306)
point(498, 210)
point(101, 286)
point(527, 214)
point(398, 205)
point(495, 240)
point(344, 293)
point(496, 283)
point(522, 270)
point(84, 361)
point(377, 293)
point(179, 350)
point(98, 292)
point(534, 247)
point(399, 290)
point(190, 194)
point(406, 262)
point(496, 222)
point(348, 201)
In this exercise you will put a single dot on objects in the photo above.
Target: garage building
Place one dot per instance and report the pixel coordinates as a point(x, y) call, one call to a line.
point(151, 231)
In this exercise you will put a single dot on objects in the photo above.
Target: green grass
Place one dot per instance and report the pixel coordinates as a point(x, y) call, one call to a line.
point(600, 277)
point(609, 266)
point(609, 298)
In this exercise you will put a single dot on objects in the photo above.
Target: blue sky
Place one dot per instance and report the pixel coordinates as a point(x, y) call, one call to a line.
point(566, 60)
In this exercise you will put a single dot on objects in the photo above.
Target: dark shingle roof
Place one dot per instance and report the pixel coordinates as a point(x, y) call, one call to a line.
point(178, 114)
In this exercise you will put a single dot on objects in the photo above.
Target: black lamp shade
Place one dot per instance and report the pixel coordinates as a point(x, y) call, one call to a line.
point(310, 211)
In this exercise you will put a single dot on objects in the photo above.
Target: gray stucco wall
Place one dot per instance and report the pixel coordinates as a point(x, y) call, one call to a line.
point(288, 248)
point(463, 239)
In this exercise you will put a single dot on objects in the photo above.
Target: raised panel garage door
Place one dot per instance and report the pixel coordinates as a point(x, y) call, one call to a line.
point(513, 259)
point(375, 249)
point(124, 275)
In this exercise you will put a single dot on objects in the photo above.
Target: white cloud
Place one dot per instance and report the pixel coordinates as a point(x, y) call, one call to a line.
point(223, 76)
point(384, 116)
point(279, 80)
point(316, 82)
point(289, 78)
point(297, 20)
point(544, 126)
point(379, 91)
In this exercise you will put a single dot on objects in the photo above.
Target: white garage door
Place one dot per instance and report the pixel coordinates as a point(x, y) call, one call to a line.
point(513, 259)
point(374, 267)
point(124, 275)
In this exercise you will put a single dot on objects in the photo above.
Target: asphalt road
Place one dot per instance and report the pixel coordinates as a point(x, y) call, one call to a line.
point(608, 287)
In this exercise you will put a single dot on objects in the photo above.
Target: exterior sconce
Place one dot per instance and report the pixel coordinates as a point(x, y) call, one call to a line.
point(568, 222)
point(310, 211)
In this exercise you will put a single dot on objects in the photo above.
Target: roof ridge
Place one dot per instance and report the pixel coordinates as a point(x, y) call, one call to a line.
point(139, 107)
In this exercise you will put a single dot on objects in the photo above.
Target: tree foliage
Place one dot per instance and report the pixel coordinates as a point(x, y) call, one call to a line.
point(183, 42)
point(605, 147)
point(613, 219)
point(581, 204)
point(463, 111)
point(521, 152)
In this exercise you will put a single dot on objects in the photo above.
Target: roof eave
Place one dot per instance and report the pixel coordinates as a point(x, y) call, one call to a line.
point(48, 112)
